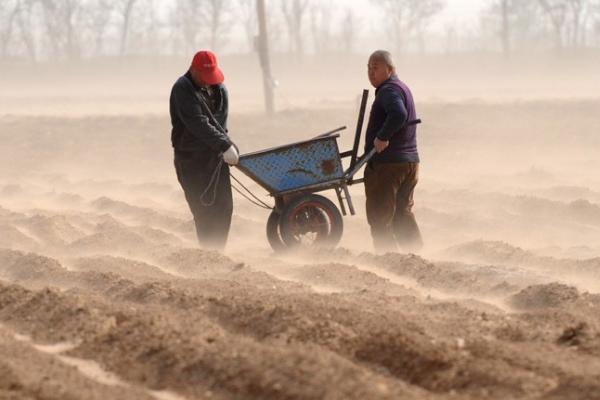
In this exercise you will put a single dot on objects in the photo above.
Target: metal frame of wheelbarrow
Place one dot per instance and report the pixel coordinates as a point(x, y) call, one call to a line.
point(343, 179)
point(339, 185)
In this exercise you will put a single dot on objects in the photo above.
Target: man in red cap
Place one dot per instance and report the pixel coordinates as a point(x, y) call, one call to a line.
point(203, 149)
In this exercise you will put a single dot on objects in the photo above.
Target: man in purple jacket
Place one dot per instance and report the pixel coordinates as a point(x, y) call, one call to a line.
point(392, 174)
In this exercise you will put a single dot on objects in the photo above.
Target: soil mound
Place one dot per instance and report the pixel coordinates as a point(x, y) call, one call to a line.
point(195, 263)
point(344, 277)
point(489, 252)
point(120, 266)
point(53, 230)
point(12, 238)
point(146, 216)
point(24, 267)
point(544, 296)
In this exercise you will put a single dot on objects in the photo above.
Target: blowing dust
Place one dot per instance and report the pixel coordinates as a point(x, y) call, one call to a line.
point(98, 248)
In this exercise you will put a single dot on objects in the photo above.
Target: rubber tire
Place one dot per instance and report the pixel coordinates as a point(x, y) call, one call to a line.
point(273, 235)
point(336, 222)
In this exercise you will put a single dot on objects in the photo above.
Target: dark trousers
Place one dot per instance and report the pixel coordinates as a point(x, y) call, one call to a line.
point(211, 217)
point(389, 189)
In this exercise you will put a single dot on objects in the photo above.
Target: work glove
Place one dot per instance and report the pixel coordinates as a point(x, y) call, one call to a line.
point(231, 155)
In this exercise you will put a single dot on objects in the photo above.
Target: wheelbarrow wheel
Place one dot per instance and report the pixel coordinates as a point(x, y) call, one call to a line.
point(273, 234)
point(311, 221)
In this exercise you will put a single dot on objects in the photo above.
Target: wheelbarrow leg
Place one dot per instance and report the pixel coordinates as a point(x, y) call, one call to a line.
point(348, 199)
point(338, 192)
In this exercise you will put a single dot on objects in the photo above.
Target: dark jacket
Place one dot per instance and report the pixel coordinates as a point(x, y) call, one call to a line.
point(392, 108)
point(193, 130)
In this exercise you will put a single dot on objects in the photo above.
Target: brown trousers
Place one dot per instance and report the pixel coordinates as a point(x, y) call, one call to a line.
point(389, 189)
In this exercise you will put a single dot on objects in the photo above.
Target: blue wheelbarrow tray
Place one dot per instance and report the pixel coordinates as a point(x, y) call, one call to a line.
point(310, 165)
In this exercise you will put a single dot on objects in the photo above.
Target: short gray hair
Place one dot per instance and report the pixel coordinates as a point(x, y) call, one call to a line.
point(384, 56)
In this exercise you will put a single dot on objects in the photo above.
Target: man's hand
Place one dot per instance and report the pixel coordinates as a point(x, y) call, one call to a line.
point(380, 145)
point(231, 156)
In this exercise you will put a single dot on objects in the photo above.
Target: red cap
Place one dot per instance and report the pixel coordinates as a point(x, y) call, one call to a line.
point(205, 63)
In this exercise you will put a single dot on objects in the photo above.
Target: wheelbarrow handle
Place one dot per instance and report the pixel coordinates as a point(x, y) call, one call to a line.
point(336, 130)
point(359, 163)
point(366, 157)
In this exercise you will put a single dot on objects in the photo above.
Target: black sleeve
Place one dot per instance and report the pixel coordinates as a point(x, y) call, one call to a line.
point(393, 104)
point(225, 95)
point(196, 121)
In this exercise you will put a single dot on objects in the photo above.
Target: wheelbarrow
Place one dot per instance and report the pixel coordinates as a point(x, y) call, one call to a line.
point(294, 173)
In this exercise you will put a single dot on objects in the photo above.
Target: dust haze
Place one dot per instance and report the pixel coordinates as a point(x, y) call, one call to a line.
point(105, 293)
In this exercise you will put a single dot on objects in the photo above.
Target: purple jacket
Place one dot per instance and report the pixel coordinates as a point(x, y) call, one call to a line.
point(392, 108)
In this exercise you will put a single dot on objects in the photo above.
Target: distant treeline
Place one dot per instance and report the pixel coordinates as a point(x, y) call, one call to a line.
point(40, 30)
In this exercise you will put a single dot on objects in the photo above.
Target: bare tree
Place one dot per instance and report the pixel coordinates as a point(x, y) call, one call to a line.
point(595, 21)
point(511, 20)
point(61, 23)
point(25, 22)
point(577, 20)
point(567, 19)
point(148, 28)
point(9, 12)
point(423, 12)
point(450, 38)
point(217, 13)
point(186, 16)
point(247, 13)
point(52, 26)
point(505, 8)
point(321, 15)
point(278, 30)
point(407, 18)
point(262, 47)
point(294, 12)
point(99, 13)
point(71, 7)
point(556, 12)
point(125, 10)
point(349, 30)
point(202, 22)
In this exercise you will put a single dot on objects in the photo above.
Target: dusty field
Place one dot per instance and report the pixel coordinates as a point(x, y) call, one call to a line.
point(103, 293)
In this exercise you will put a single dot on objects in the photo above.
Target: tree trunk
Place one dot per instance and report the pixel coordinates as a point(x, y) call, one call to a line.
point(263, 54)
point(72, 47)
point(505, 33)
point(7, 34)
point(215, 22)
point(125, 27)
point(26, 31)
